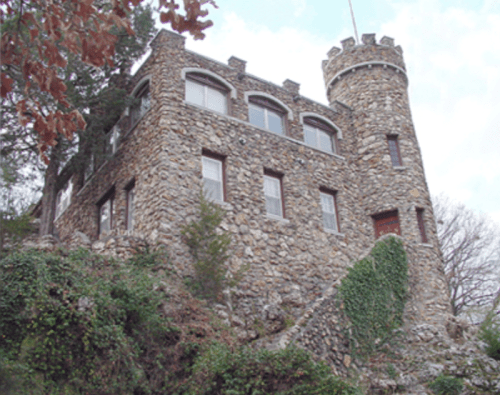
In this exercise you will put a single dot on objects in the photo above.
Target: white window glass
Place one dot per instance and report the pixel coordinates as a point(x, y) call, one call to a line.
point(206, 96)
point(216, 100)
point(130, 209)
point(257, 116)
point(105, 212)
point(274, 121)
point(195, 93)
point(309, 135)
point(63, 199)
point(89, 170)
point(142, 105)
point(114, 139)
point(329, 213)
point(212, 179)
point(318, 138)
point(272, 193)
point(324, 141)
point(265, 118)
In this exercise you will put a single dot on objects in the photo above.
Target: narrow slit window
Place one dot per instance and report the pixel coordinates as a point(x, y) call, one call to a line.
point(421, 225)
point(394, 151)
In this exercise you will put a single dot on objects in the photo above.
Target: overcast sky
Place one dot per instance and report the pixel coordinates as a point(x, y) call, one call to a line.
point(452, 54)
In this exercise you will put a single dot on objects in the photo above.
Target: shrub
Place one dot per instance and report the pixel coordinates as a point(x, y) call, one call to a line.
point(374, 294)
point(82, 324)
point(489, 332)
point(220, 370)
point(209, 248)
point(446, 385)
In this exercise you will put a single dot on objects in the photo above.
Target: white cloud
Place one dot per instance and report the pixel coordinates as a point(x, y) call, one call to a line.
point(453, 57)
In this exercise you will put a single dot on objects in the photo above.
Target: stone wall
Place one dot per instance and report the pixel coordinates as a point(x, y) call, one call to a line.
point(289, 262)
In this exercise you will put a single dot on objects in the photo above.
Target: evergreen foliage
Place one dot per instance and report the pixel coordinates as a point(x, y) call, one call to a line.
point(446, 385)
point(209, 247)
point(291, 371)
point(81, 324)
point(489, 332)
point(78, 323)
point(374, 294)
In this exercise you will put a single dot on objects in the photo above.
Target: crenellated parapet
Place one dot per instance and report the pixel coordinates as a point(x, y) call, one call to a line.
point(368, 55)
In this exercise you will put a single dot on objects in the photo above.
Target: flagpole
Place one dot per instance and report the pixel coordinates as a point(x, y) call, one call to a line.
point(354, 23)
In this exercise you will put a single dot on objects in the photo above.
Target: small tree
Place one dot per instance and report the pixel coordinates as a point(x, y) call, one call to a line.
point(470, 243)
point(209, 247)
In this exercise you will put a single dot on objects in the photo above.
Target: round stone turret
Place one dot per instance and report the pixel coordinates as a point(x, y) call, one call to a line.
point(371, 79)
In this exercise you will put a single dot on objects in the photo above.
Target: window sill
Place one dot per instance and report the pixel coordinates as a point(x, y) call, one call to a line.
point(264, 130)
point(333, 232)
point(400, 168)
point(197, 106)
point(427, 245)
point(277, 218)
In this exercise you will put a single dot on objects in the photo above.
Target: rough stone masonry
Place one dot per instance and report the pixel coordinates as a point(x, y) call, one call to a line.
point(368, 181)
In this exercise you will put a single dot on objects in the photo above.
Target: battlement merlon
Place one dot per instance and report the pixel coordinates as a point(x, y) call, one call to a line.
point(368, 54)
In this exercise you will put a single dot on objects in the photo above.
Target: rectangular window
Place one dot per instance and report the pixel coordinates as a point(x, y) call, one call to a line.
point(273, 195)
point(130, 192)
point(387, 222)
point(329, 207)
point(113, 139)
point(63, 199)
point(394, 151)
point(213, 178)
point(421, 225)
point(105, 212)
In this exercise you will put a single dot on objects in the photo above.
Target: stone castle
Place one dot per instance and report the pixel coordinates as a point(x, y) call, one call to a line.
point(307, 188)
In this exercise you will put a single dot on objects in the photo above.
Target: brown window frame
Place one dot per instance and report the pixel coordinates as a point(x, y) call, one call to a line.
point(222, 159)
point(421, 225)
point(333, 193)
point(394, 151)
point(382, 216)
point(278, 176)
point(269, 104)
point(108, 196)
point(316, 123)
point(211, 82)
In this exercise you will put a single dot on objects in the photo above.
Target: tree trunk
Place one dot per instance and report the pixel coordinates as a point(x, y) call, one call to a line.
point(50, 194)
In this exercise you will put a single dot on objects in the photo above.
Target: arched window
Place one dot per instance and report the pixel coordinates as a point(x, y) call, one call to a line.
point(320, 135)
point(142, 103)
point(266, 114)
point(206, 91)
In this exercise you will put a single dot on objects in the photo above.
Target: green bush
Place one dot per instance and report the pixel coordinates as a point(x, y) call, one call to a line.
point(82, 324)
point(446, 385)
point(220, 370)
point(209, 248)
point(489, 332)
point(374, 294)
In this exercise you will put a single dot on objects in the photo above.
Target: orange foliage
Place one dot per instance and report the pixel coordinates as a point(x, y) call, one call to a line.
point(74, 26)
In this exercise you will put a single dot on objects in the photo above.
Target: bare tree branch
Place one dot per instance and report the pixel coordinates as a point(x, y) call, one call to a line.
point(470, 243)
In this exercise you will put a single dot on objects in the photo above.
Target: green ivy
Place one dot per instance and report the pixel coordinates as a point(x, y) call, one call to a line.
point(374, 294)
point(209, 247)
